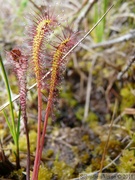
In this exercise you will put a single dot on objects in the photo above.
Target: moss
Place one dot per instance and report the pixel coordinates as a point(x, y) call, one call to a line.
point(107, 117)
point(95, 163)
point(84, 158)
point(23, 144)
point(133, 137)
point(75, 150)
point(18, 174)
point(49, 153)
point(96, 128)
point(85, 138)
point(113, 146)
point(128, 124)
point(88, 169)
point(127, 162)
point(127, 98)
point(106, 73)
point(57, 156)
point(68, 97)
point(2, 132)
point(70, 64)
point(92, 117)
point(79, 113)
point(44, 173)
point(62, 170)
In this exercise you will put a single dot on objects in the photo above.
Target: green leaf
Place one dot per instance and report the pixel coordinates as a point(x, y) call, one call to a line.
point(9, 124)
point(12, 124)
point(23, 6)
point(18, 125)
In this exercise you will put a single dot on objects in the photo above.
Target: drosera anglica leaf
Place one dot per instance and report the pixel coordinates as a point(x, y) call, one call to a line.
point(20, 64)
point(40, 30)
point(42, 26)
point(67, 41)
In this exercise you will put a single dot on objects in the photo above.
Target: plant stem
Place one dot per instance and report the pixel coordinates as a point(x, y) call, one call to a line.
point(37, 161)
point(17, 146)
point(17, 158)
point(28, 148)
point(48, 109)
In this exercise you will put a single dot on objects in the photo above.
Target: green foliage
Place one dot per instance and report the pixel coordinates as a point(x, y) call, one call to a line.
point(127, 162)
point(62, 170)
point(68, 96)
point(84, 157)
point(92, 117)
point(13, 126)
point(44, 173)
point(23, 144)
point(80, 113)
point(127, 98)
point(128, 124)
point(49, 153)
point(133, 137)
point(18, 174)
point(100, 8)
point(23, 5)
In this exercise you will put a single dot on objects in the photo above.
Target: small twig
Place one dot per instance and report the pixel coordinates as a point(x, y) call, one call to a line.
point(118, 155)
point(82, 39)
point(87, 5)
point(126, 37)
point(119, 117)
point(131, 61)
point(107, 142)
point(60, 141)
point(89, 88)
point(82, 75)
point(130, 111)
point(2, 153)
point(28, 147)
point(75, 4)
point(34, 4)
point(109, 87)
point(120, 127)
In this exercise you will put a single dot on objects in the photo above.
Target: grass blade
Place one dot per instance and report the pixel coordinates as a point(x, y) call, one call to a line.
point(8, 123)
point(18, 125)
point(12, 124)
